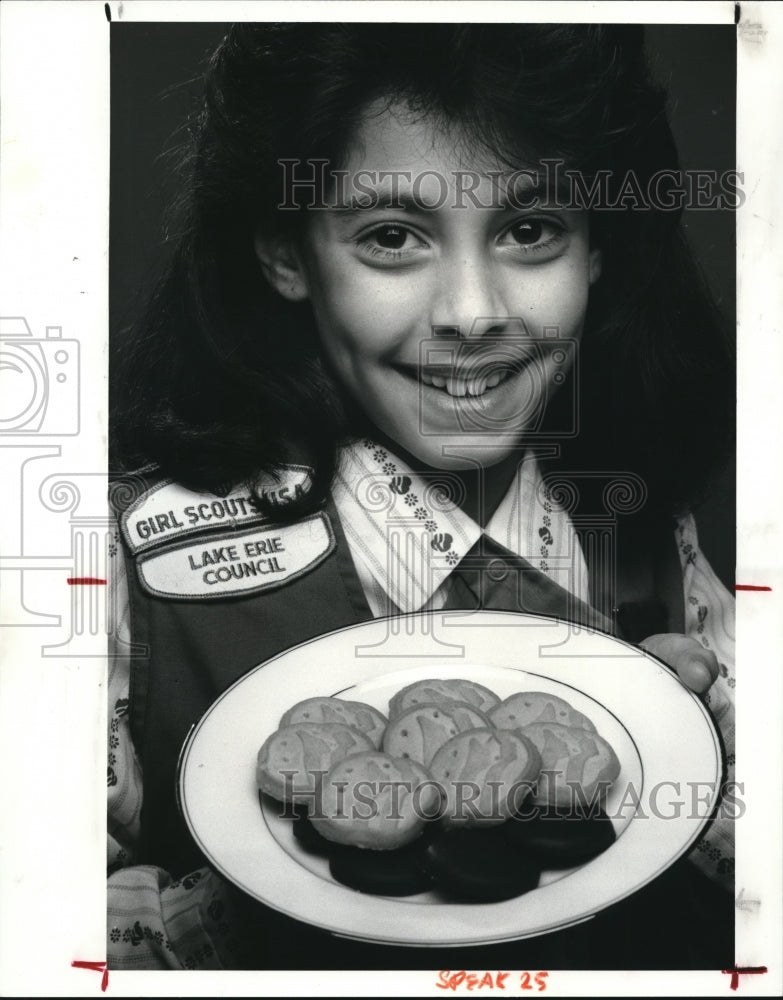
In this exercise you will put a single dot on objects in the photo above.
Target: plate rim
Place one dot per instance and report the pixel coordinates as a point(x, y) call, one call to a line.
point(393, 939)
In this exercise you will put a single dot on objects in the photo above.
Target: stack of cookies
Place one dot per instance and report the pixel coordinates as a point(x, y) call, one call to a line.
point(456, 792)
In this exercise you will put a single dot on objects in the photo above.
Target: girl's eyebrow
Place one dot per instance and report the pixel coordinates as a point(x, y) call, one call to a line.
point(386, 201)
point(534, 196)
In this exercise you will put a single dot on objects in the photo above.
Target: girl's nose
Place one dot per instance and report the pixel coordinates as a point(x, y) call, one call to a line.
point(468, 302)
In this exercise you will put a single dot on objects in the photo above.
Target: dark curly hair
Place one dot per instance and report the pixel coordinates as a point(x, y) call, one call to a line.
point(223, 379)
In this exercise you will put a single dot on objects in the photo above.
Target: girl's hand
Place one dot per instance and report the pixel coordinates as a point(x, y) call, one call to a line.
point(696, 666)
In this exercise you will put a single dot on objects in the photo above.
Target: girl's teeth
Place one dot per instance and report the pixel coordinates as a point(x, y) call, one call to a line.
point(465, 387)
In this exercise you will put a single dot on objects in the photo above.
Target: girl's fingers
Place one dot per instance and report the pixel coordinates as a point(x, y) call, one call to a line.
point(696, 666)
point(698, 671)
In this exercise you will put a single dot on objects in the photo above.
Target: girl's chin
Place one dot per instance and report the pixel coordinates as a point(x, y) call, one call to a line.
point(452, 453)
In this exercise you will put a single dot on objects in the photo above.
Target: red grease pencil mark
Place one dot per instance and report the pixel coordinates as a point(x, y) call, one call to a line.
point(84, 581)
point(749, 586)
point(743, 970)
point(101, 967)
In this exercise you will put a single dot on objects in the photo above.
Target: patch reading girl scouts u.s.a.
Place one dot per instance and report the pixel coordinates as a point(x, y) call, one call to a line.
point(195, 546)
point(167, 511)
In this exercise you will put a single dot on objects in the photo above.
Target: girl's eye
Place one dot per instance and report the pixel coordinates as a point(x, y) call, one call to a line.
point(528, 232)
point(534, 236)
point(391, 237)
point(389, 242)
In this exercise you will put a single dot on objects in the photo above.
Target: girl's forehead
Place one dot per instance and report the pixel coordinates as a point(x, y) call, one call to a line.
point(398, 149)
point(391, 135)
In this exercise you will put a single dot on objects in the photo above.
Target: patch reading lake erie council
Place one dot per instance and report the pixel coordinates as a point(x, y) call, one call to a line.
point(238, 563)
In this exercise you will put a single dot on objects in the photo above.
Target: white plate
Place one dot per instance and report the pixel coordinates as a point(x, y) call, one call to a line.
point(663, 736)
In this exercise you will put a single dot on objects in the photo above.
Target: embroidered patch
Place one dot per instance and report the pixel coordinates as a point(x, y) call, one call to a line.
point(237, 562)
point(168, 511)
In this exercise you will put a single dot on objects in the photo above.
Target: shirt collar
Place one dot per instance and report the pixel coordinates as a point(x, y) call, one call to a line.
point(409, 533)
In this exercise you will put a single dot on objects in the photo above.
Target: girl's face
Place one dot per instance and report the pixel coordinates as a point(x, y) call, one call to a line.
point(451, 320)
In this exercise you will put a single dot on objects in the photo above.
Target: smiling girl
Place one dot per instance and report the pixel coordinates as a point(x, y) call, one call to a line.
point(381, 282)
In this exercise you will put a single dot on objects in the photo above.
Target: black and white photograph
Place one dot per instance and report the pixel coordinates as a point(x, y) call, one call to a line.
point(414, 493)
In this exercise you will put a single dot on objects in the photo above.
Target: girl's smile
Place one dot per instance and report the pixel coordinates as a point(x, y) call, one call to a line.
point(452, 325)
point(460, 371)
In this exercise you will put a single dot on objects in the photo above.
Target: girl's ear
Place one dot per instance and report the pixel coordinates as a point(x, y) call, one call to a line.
point(282, 266)
point(596, 266)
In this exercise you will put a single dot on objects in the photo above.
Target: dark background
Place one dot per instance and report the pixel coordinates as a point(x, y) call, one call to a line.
point(155, 85)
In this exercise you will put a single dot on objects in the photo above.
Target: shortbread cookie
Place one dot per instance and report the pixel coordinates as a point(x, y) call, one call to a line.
point(376, 801)
point(536, 706)
point(575, 765)
point(350, 713)
point(293, 760)
point(485, 774)
point(439, 691)
point(421, 730)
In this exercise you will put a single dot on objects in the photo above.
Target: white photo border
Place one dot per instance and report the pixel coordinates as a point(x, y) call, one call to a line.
point(54, 243)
